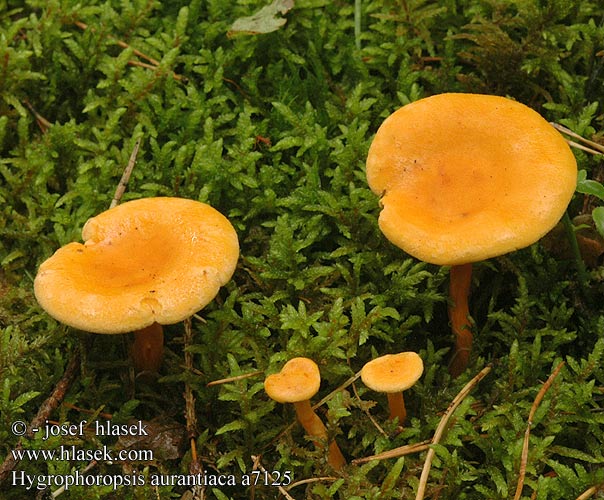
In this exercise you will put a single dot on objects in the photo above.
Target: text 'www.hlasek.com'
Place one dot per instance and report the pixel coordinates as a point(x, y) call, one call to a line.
point(85, 478)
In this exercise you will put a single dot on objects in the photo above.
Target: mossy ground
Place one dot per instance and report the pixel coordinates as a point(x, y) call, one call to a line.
point(272, 130)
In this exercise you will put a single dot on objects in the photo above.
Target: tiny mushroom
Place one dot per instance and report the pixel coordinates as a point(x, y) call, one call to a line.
point(296, 383)
point(143, 264)
point(466, 177)
point(393, 374)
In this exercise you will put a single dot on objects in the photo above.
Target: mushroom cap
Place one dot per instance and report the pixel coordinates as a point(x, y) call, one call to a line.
point(465, 177)
point(144, 261)
point(393, 372)
point(298, 380)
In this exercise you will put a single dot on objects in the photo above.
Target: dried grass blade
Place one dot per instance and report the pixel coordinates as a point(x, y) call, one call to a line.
point(123, 184)
point(423, 480)
point(395, 452)
point(524, 457)
point(561, 128)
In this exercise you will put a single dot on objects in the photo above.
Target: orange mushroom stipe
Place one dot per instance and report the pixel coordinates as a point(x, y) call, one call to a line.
point(467, 177)
point(297, 382)
point(460, 280)
point(393, 374)
point(148, 348)
point(144, 263)
point(396, 403)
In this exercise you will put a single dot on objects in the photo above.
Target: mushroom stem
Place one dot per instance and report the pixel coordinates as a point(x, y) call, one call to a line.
point(316, 428)
point(396, 403)
point(459, 290)
point(148, 348)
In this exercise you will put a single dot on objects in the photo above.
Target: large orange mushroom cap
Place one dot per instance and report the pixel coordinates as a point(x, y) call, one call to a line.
point(153, 260)
point(466, 177)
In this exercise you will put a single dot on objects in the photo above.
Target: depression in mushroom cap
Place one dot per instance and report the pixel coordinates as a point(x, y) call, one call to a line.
point(144, 261)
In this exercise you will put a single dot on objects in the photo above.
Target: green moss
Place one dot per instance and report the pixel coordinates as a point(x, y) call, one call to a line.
point(273, 131)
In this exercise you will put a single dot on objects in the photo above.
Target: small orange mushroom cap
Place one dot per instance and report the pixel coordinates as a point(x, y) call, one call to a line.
point(466, 177)
point(393, 372)
point(144, 261)
point(298, 380)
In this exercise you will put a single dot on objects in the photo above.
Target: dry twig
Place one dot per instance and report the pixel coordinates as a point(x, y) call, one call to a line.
point(62, 489)
point(234, 379)
point(58, 394)
point(191, 416)
point(154, 63)
point(42, 122)
point(336, 390)
point(395, 452)
point(590, 492)
point(369, 415)
point(587, 494)
point(47, 407)
point(258, 465)
point(311, 480)
point(524, 456)
point(122, 44)
point(123, 184)
point(423, 480)
point(107, 416)
point(595, 148)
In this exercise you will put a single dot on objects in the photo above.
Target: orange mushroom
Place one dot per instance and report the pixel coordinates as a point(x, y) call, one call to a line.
point(466, 177)
point(144, 263)
point(393, 374)
point(296, 383)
